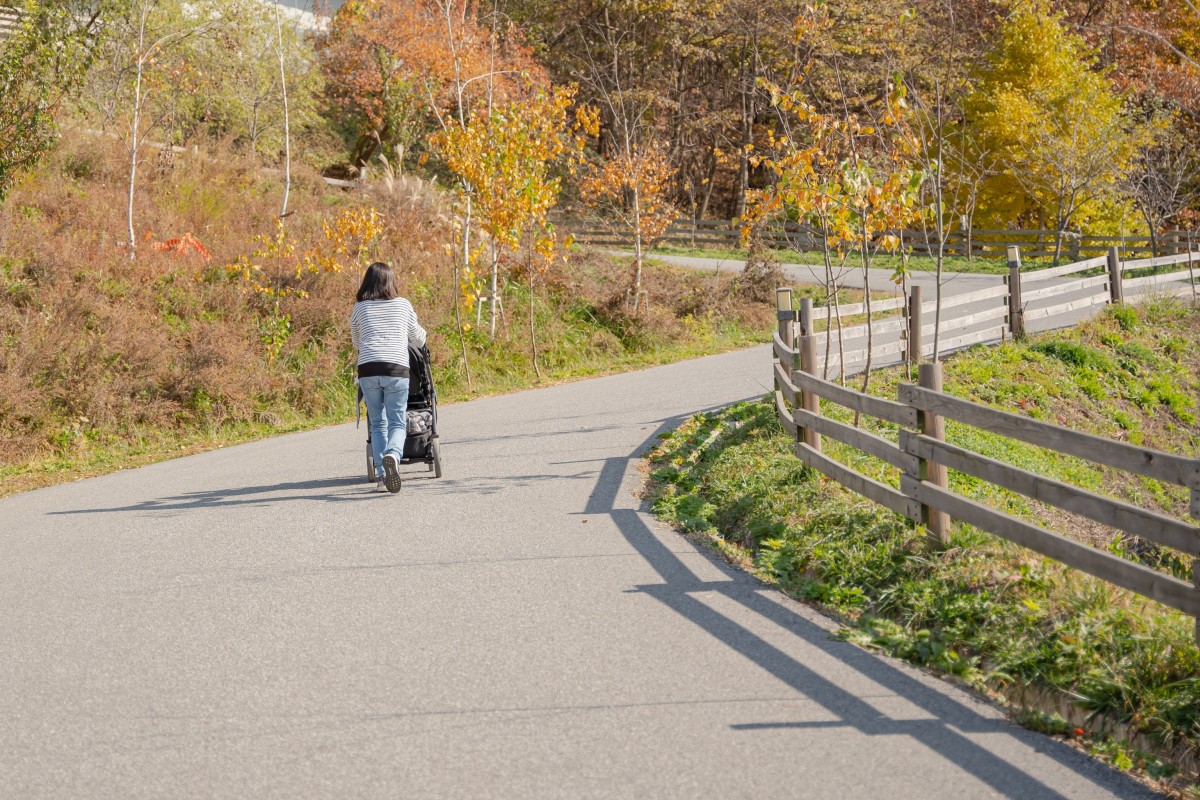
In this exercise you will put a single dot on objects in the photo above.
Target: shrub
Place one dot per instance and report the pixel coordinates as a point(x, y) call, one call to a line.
point(169, 340)
point(761, 276)
point(1125, 315)
point(1074, 354)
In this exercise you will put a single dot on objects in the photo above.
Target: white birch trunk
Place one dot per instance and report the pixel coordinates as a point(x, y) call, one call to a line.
point(287, 132)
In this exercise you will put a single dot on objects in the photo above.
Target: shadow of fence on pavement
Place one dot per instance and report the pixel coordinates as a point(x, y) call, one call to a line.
point(945, 733)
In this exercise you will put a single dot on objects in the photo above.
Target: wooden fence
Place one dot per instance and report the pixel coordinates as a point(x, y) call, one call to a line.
point(1039, 299)
point(976, 243)
point(10, 20)
point(923, 457)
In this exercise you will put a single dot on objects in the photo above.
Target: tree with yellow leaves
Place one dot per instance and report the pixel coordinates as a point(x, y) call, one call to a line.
point(806, 188)
point(850, 174)
point(633, 189)
point(505, 157)
point(1053, 121)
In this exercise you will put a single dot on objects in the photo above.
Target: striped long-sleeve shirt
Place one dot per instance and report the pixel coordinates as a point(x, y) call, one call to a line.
point(382, 331)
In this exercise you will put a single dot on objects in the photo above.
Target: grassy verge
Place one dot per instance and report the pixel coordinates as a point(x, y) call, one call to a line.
point(582, 331)
point(108, 361)
point(1085, 660)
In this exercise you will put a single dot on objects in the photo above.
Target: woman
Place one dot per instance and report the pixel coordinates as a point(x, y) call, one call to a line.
point(383, 326)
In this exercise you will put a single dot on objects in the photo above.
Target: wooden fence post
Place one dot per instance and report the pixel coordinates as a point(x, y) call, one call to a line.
point(1194, 510)
point(808, 363)
point(933, 426)
point(1115, 288)
point(809, 401)
point(1196, 579)
point(787, 322)
point(1016, 314)
point(913, 354)
point(1192, 283)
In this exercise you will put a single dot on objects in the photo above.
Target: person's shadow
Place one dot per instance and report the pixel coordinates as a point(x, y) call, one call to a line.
point(331, 490)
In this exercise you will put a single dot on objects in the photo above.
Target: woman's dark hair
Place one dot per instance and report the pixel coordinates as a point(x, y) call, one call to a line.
point(378, 284)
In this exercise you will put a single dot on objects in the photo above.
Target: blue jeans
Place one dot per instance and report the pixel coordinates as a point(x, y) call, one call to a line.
point(387, 407)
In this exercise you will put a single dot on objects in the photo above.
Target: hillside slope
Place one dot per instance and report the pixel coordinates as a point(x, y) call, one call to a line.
point(1002, 618)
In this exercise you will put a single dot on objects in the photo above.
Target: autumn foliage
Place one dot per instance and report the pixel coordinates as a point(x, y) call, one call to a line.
point(398, 68)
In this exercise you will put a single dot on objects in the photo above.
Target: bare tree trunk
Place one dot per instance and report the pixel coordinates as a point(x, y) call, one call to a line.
point(134, 144)
point(937, 275)
point(1059, 223)
point(744, 157)
point(287, 126)
point(638, 252)
point(865, 258)
point(940, 221)
point(532, 328)
point(1191, 274)
point(830, 291)
point(709, 184)
point(492, 299)
point(462, 338)
point(834, 307)
point(970, 232)
point(466, 231)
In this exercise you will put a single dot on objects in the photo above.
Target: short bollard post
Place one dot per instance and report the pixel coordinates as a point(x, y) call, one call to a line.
point(1016, 314)
point(810, 401)
point(913, 352)
point(1115, 287)
point(933, 426)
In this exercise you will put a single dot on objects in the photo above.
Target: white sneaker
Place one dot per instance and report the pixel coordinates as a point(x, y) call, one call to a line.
point(381, 486)
point(391, 473)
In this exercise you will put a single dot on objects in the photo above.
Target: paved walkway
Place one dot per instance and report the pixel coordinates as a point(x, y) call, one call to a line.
point(254, 623)
point(850, 277)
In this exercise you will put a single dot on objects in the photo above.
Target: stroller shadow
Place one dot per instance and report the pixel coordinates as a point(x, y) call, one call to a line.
point(949, 722)
point(263, 495)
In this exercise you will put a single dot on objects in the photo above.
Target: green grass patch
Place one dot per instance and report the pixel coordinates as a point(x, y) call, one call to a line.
point(991, 613)
point(580, 332)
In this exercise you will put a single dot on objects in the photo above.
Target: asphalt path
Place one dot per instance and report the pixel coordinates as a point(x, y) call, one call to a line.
point(850, 277)
point(253, 622)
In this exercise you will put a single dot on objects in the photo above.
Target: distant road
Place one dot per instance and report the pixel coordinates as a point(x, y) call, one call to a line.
point(881, 279)
point(254, 623)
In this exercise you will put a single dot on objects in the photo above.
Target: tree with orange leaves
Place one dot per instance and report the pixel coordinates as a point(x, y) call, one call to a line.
point(400, 68)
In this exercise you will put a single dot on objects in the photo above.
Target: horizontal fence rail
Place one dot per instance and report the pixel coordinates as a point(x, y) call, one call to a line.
point(980, 242)
point(1046, 299)
point(923, 457)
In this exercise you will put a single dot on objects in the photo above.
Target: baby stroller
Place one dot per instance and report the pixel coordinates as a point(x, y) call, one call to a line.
point(420, 443)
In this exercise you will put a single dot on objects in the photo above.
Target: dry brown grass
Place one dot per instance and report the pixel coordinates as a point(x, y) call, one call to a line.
point(96, 346)
point(98, 350)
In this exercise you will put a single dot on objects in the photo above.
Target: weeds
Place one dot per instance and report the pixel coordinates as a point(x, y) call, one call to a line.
point(101, 356)
point(987, 611)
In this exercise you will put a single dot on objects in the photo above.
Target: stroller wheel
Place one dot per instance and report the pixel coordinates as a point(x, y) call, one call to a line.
point(371, 478)
point(437, 458)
